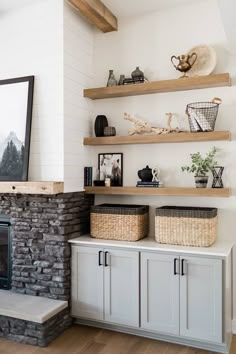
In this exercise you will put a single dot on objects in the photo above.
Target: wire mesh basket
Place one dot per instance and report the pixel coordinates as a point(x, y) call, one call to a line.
point(202, 115)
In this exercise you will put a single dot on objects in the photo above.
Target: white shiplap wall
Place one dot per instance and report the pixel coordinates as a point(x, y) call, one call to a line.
point(78, 111)
point(31, 40)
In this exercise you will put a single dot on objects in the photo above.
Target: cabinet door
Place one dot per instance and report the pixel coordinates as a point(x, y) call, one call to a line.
point(87, 283)
point(160, 293)
point(121, 272)
point(201, 299)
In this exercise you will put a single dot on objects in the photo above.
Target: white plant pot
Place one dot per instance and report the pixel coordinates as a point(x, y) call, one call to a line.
point(201, 181)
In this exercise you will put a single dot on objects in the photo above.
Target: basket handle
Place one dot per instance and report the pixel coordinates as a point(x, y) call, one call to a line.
point(216, 100)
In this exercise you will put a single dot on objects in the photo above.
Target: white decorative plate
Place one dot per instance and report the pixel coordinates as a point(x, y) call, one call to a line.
point(206, 60)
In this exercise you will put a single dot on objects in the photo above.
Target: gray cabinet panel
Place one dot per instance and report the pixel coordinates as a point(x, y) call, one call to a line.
point(159, 293)
point(201, 299)
point(122, 287)
point(87, 283)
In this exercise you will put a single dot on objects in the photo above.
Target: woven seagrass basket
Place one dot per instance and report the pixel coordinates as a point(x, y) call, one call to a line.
point(119, 222)
point(187, 226)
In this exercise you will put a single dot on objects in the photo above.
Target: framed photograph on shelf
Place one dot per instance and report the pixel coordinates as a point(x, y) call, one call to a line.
point(111, 165)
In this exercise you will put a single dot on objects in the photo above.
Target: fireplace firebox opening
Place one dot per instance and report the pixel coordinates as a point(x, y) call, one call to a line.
point(5, 253)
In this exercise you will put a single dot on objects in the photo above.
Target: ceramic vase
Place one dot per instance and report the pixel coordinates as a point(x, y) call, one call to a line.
point(99, 125)
point(137, 73)
point(111, 79)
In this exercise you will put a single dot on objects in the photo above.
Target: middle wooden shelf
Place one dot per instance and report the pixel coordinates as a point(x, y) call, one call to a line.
point(164, 191)
point(182, 137)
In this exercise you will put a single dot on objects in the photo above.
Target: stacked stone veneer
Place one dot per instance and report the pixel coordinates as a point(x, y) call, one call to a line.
point(34, 333)
point(40, 229)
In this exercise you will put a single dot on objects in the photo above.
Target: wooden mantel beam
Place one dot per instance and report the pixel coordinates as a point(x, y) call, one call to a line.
point(96, 13)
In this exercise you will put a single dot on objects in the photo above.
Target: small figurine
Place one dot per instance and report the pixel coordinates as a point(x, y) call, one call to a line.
point(156, 174)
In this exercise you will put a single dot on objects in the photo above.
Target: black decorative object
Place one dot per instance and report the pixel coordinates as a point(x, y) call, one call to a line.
point(217, 172)
point(16, 97)
point(137, 73)
point(145, 174)
point(98, 183)
point(111, 166)
point(99, 125)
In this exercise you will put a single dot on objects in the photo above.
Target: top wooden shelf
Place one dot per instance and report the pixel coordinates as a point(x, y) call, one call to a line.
point(189, 83)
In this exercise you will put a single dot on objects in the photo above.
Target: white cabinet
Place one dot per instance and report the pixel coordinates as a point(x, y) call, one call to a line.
point(122, 287)
point(201, 299)
point(182, 296)
point(159, 293)
point(105, 285)
point(87, 283)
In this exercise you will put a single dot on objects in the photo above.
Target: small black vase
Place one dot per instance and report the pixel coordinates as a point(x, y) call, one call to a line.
point(99, 125)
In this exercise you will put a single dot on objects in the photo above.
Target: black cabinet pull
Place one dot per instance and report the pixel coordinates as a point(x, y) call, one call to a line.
point(99, 258)
point(175, 261)
point(106, 259)
point(182, 266)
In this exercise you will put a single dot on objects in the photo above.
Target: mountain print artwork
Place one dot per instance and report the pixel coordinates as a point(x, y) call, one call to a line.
point(11, 156)
point(16, 97)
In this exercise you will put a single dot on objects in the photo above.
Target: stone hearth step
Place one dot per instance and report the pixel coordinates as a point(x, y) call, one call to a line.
point(29, 308)
point(32, 320)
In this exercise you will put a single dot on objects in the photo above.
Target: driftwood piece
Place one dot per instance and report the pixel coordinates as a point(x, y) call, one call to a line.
point(141, 127)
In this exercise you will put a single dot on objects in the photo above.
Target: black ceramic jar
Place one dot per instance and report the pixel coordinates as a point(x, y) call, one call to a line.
point(99, 125)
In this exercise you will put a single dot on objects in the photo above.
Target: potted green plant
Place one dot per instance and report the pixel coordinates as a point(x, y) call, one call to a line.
point(201, 166)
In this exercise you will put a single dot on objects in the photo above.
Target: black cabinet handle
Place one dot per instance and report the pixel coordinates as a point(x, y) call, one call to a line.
point(99, 258)
point(175, 261)
point(106, 259)
point(182, 266)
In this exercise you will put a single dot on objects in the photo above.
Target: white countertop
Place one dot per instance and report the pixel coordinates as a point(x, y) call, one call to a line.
point(219, 249)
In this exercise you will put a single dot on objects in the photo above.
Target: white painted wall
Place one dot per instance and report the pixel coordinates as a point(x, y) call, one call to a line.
point(149, 41)
point(31, 40)
point(78, 111)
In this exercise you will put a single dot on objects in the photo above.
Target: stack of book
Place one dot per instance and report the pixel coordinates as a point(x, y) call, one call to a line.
point(149, 184)
point(89, 175)
point(136, 80)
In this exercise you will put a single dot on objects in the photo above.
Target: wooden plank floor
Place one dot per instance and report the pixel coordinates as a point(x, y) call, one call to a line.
point(88, 340)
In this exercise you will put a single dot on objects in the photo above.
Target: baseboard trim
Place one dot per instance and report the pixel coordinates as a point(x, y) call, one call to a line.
point(219, 348)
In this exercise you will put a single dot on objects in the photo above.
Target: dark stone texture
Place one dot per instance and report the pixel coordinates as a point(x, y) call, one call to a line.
point(39, 334)
point(41, 227)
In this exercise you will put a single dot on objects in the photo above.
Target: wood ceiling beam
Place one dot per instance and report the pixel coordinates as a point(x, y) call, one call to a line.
point(96, 13)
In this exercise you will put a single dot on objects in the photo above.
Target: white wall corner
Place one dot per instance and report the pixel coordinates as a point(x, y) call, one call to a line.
point(234, 325)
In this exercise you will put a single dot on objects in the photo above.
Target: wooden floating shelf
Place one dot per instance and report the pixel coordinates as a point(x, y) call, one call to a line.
point(161, 138)
point(32, 187)
point(189, 83)
point(167, 191)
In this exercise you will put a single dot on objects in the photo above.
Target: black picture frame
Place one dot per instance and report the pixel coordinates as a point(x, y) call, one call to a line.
point(17, 97)
point(111, 165)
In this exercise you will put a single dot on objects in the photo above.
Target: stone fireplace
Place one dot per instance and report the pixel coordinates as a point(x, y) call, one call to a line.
point(41, 225)
point(35, 259)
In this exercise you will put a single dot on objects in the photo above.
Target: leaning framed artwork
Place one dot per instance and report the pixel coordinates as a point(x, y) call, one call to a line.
point(16, 97)
point(111, 165)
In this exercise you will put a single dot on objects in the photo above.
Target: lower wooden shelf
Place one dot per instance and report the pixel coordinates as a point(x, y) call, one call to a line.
point(50, 187)
point(167, 191)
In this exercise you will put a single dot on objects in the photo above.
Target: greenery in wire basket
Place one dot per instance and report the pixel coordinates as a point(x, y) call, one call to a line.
point(201, 166)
